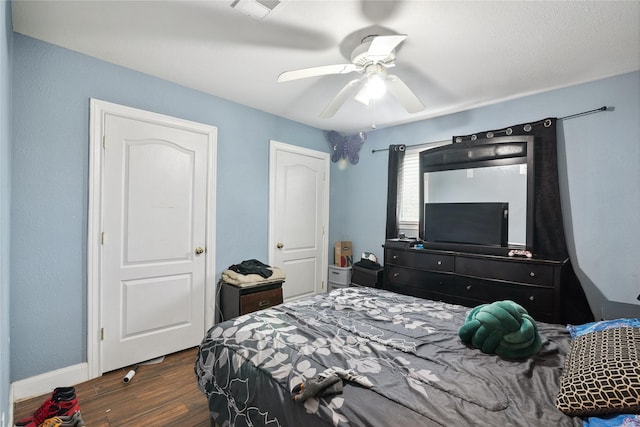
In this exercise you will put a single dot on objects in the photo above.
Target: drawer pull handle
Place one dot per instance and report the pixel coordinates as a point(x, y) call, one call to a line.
point(532, 298)
point(395, 257)
point(468, 287)
point(264, 303)
point(396, 274)
point(532, 274)
point(439, 262)
point(335, 272)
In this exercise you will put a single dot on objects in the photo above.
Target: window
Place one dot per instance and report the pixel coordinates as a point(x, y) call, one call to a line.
point(408, 194)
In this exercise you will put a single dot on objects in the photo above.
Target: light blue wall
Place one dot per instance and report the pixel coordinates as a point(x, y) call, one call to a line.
point(50, 168)
point(6, 42)
point(599, 168)
point(599, 156)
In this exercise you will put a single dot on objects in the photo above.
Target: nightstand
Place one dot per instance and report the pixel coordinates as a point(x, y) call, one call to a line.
point(363, 276)
point(236, 301)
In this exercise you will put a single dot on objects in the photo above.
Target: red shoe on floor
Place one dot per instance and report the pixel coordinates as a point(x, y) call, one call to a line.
point(63, 401)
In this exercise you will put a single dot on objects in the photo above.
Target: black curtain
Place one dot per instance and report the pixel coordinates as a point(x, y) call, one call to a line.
point(548, 229)
point(396, 157)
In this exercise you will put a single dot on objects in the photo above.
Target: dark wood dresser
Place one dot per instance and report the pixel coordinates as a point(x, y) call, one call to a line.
point(471, 279)
point(236, 301)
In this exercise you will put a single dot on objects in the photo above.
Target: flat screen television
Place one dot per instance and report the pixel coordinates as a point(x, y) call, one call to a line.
point(467, 223)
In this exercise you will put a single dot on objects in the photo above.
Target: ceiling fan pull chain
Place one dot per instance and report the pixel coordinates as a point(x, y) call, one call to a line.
point(373, 115)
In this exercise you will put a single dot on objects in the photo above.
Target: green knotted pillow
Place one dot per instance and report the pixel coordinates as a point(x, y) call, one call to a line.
point(503, 328)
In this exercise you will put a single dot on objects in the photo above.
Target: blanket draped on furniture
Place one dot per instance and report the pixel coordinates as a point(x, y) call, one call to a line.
point(238, 279)
point(252, 266)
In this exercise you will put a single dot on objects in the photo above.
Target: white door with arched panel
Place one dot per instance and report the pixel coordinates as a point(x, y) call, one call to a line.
point(156, 192)
point(298, 220)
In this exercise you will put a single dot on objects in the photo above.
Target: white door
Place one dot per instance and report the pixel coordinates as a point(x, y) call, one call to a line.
point(299, 190)
point(154, 240)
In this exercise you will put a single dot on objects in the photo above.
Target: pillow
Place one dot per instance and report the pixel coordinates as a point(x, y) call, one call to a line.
point(503, 328)
point(577, 330)
point(601, 373)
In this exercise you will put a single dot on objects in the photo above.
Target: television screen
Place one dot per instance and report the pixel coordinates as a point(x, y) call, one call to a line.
point(468, 223)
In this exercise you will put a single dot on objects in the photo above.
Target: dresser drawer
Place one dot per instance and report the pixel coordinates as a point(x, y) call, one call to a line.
point(236, 300)
point(433, 282)
point(532, 298)
point(420, 260)
point(424, 293)
point(511, 271)
point(260, 300)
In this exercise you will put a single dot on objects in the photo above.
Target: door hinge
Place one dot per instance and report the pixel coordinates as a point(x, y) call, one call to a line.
point(104, 141)
point(102, 238)
point(322, 285)
point(101, 334)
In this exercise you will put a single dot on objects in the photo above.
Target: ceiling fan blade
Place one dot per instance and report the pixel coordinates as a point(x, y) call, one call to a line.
point(316, 71)
point(340, 98)
point(404, 95)
point(382, 46)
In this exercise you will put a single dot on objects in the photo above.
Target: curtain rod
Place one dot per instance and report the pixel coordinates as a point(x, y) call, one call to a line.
point(571, 116)
point(584, 113)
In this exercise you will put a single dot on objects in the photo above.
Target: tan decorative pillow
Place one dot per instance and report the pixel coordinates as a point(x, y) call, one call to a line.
point(602, 374)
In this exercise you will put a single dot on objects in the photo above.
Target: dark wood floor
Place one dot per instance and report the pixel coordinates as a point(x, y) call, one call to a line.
point(163, 394)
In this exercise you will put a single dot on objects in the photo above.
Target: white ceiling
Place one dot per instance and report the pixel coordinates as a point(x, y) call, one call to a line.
point(458, 54)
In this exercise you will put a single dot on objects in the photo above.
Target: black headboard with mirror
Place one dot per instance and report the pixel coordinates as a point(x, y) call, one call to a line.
point(478, 195)
point(514, 169)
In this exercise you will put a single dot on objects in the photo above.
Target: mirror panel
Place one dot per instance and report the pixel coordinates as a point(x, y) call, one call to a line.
point(490, 170)
point(504, 183)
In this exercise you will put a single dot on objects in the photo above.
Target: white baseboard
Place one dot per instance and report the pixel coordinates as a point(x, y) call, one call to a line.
point(45, 383)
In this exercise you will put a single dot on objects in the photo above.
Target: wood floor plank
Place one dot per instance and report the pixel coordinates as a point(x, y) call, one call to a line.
point(162, 394)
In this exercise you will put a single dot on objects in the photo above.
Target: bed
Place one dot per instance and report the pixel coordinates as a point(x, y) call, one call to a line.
point(408, 348)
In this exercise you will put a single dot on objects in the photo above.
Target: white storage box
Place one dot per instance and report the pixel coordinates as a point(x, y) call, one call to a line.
point(339, 277)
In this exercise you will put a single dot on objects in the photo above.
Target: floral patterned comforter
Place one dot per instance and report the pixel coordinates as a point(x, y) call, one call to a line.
point(422, 374)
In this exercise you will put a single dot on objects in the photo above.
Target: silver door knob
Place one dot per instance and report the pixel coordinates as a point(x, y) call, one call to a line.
point(199, 250)
point(279, 245)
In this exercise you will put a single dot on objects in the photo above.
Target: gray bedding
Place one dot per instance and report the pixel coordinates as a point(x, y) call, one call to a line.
point(422, 374)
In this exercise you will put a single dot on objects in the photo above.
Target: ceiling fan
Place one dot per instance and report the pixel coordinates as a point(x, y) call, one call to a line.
point(371, 58)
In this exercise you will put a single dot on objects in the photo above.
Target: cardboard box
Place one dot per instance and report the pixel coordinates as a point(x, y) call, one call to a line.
point(343, 253)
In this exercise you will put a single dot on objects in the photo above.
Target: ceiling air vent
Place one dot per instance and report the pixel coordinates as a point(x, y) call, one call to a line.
point(257, 9)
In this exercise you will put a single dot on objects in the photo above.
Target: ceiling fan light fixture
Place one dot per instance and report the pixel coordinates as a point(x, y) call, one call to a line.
point(372, 58)
point(376, 85)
